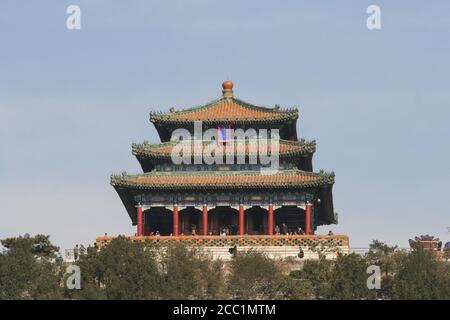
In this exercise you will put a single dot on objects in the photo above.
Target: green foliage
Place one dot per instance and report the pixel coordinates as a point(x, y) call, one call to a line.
point(122, 270)
point(129, 270)
point(348, 279)
point(422, 276)
point(323, 249)
point(290, 288)
point(252, 276)
point(136, 270)
point(38, 246)
point(30, 269)
point(189, 274)
point(318, 274)
point(389, 260)
point(92, 277)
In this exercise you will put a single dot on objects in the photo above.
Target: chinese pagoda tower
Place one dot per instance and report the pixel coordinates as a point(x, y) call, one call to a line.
point(230, 203)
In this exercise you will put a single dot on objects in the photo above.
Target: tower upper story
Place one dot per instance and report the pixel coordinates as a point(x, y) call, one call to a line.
point(222, 115)
point(227, 111)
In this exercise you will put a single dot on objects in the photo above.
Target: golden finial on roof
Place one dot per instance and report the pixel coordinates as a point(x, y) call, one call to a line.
point(227, 89)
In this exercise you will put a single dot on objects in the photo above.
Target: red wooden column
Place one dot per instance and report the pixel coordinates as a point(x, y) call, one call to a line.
point(270, 220)
point(205, 220)
point(241, 220)
point(175, 220)
point(139, 221)
point(308, 212)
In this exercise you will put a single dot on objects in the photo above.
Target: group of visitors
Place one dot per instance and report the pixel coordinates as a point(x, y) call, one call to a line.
point(285, 230)
point(78, 250)
point(232, 230)
point(228, 230)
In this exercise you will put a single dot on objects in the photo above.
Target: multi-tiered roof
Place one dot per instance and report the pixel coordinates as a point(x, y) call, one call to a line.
point(300, 152)
point(226, 110)
point(296, 156)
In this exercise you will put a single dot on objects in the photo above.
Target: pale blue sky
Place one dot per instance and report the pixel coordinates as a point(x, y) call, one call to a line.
point(72, 102)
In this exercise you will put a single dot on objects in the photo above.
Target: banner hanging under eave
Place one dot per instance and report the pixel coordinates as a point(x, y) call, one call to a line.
point(224, 134)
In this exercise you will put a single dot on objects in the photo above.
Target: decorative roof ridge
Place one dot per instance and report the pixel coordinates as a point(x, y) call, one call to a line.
point(325, 177)
point(158, 115)
point(276, 108)
point(151, 150)
point(302, 141)
point(187, 109)
point(146, 144)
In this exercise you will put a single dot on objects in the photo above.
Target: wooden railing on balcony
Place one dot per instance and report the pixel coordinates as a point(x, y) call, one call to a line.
point(242, 241)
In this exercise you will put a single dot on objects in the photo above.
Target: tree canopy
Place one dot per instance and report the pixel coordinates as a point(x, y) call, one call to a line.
point(31, 268)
